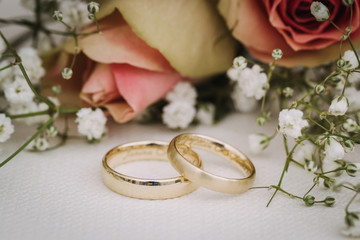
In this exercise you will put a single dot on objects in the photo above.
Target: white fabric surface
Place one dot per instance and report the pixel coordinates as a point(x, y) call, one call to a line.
point(59, 194)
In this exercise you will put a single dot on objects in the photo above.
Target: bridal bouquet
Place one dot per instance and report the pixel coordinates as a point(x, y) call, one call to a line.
point(192, 62)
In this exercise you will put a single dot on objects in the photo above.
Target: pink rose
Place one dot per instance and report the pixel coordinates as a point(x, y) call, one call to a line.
point(138, 58)
point(263, 25)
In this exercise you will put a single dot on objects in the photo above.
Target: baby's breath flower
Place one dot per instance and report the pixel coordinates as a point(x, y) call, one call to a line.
point(6, 75)
point(333, 151)
point(93, 7)
point(18, 91)
point(240, 63)
point(75, 13)
point(353, 96)
point(319, 11)
point(30, 107)
point(51, 131)
point(304, 152)
point(91, 123)
point(58, 15)
point(348, 146)
point(67, 73)
point(291, 122)
point(178, 114)
point(233, 73)
point(354, 77)
point(32, 64)
point(310, 166)
point(339, 106)
point(205, 114)
point(39, 144)
point(350, 125)
point(184, 92)
point(6, 127)
point(351, 61)
point(252, 82)
point(258, 142)
point(277, 54)
point(288, 92)
point(241, 102)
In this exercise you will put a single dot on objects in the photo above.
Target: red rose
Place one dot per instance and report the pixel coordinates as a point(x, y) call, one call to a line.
point(263, 25)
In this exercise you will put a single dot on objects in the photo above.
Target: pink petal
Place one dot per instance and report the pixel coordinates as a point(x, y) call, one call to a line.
point(117, 43)
point(100, 87)
point(141, 87)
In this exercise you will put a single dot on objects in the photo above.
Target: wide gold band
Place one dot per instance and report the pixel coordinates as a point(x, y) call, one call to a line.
point(182, 144)
point(140, 187)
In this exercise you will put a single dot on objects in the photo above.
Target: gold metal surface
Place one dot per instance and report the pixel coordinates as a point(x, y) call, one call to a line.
point(178, 151)
point(140, 187)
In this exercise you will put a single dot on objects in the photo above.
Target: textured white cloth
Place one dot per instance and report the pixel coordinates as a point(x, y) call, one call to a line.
point(59, 194)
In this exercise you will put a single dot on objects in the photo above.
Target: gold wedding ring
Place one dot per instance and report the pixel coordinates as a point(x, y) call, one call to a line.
point(140, 187)
point(179, 148)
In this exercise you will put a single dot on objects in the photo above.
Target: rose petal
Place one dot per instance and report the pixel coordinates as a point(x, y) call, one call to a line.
point(141, 87)
point(117, 43)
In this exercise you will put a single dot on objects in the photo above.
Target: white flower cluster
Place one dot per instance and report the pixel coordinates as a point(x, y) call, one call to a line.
point(6, 128)
point(74, 13)
point(91, 123)
point(250, 84)
point(291, 122)
point(32, 64)
point(180, 111)
point(19, 96)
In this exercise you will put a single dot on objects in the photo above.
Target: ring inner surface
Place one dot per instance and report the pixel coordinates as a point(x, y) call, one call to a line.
point(138, 152)
point(184, 143)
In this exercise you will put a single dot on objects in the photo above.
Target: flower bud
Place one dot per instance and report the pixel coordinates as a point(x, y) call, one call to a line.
point(56, 89)
point(309, 200)
point(58, 15)
point(310, 165)
point(93, 7)
point(329, 182)
point(319, 89)
point(319, 11)
point(91, 16)
point(67, 73)
point(351, 170)
point(329, 201)
point(261, 121)
point(51, 131)
point(240, 63)
point(277, 54)
point(350, 125)
point(348, 146)
point(341, 63)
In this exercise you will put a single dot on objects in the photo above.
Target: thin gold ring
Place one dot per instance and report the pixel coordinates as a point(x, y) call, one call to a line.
point(140, 187)
point(177, 153)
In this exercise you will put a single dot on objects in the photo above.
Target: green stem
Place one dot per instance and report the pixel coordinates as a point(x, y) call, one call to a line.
point(45, 112)
point(349, 203)
point(40, 130)
point(51, 105)
point(309, 190)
